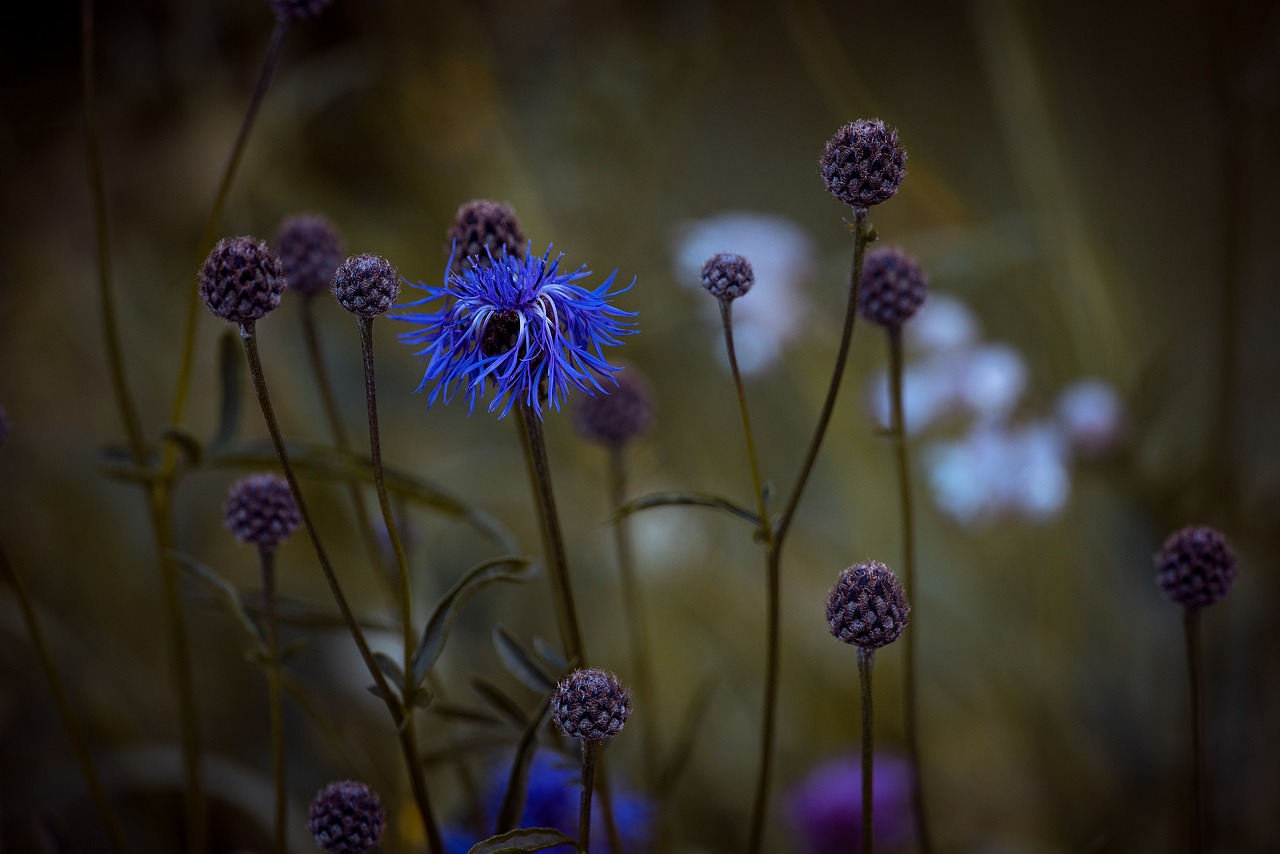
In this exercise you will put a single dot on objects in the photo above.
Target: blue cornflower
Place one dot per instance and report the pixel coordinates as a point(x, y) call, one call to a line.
point(519, 323)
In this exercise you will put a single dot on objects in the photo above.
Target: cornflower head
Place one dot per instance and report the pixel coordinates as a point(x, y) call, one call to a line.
point(520, 324)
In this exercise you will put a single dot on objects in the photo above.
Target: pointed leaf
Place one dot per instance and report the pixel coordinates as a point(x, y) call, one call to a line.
point(520, 841)
point(522, 663)
point(508, 568)
point(550, 655)
point(231, 404)
point(224, 592)
point(390, 669)
point(686, 499)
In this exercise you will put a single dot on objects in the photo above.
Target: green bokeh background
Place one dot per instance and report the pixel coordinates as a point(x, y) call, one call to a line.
point(1095, 179)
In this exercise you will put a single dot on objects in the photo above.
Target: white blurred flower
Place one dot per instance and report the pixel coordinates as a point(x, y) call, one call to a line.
point(931, 389)
point(1092, 415)
point(780, 252)
point(997, 471)
point(943, 324)
point(995, 378)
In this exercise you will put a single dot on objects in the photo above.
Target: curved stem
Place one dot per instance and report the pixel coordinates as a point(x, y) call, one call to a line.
point(726, 321)
point(267, 562)
point(584, 806)
point(187, 358)
point(860, 240)
point(392, 701)
point(60, 698)
point(633, 607)
point(866, 658)
point(898, 430)
point(333, 415)
point(1191, 626)
point(98, 195)
point(535, 448)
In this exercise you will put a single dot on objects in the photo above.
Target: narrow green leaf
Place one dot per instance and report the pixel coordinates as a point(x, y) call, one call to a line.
point(231, 403)
point(224, 593)
point(520, 841)
point(550, 655)
point(686, 499)
point(507, 568)
point(522, 663)
point(390, 669)
point(501, 703)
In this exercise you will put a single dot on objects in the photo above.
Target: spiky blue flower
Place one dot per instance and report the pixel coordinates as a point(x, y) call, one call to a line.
point(519, 324)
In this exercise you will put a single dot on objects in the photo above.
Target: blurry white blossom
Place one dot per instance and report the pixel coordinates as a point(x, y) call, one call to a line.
point(999, 470)
point(943, 324)
point(994, 380)
point(780, 252)
point(1092, 416)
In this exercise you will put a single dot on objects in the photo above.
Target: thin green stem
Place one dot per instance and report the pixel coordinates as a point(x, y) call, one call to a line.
point(267, 562)
point(98, 196)
point(60, 698)
point(393, 702)
point(1191, 626)
point(726, 321)
point(186, 360)
point(329, 402)
point(197, 827)
point(898, 430)
point(584, 806)
point(535, 447)
point(606, 807)
point(634, 608)
point(866, 658)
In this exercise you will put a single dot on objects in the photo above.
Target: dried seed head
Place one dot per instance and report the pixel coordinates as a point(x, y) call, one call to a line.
point(346, 818)
point(241, 280)
point(894, 286)
point(591, 705)
point(366, 285)
point(482, 228)
point(310, 249)
point(620, 414)
point(867, 606)
point(727, 276)
point(863, 163)
point(1196, 566)
point(293, 11)
point(260, 509)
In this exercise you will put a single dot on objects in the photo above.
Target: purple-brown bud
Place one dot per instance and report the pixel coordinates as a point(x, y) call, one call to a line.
point(241, 280)
point(591, 705)
point(483, 228)
point(310, 249)
point(615, 417)
point(260, 509)
point(727, 276)
point(863, 163)
point(366, 285)
point(1196, 566)
point(867, 606)
point(894, 286)
point(346, 818)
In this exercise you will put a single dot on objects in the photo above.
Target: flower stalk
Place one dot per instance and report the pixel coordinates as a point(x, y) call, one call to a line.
point(275, 703)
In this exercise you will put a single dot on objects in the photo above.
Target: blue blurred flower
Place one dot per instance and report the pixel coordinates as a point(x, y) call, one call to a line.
point(825, 807)
point(551, 800)
point(519, 323)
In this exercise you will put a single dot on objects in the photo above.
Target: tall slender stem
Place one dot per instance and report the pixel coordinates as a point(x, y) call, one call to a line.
point(535, 447)
point(267, 561)
point(866, 658)
point(1191, 626)
point(187, 358)
point(584, 806)
point(333, 415)
point(98, 195)
point(633, 607)
point(898, 429)
point(60, 698)
point(393, 703)
point(777, 534)
point(726, 321)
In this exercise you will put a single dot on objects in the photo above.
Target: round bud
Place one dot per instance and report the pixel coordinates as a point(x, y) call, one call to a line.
point(310, 249)
point(1196, 566)
point(615, 418)
point(894, 287)
point(727, 276)
point(241, 280)
point(482, 228)
point(366, 285)
point(863, 163)
point(591, 705)
point(867, 606)
point(346, 818)
point(293, 11)
point(260, 509)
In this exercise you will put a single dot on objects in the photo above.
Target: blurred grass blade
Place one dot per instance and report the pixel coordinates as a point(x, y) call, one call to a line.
point(686, 499)
point(525, 839)
point(230, 405)
point(513, 800)
point(390, 669)
point(507, 568)
point(504, 705)
point(550, 655)
point(224, 593)
point(523, 663)
point(682, 749)
point(295, 612)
